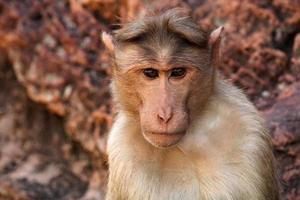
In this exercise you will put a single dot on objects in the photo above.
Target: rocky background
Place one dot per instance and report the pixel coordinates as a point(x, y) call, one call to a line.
point(55, 106)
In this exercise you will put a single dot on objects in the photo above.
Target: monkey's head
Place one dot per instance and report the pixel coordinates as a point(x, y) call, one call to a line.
point(163, 70)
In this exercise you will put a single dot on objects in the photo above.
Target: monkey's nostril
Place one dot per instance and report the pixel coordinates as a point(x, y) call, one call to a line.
point(164, 116)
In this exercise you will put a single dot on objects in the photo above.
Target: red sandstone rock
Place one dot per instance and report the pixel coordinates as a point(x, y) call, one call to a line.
point(283, 120)
point(56, 53)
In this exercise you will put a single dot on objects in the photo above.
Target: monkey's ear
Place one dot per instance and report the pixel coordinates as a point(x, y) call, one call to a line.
point(108, 41)
point(214, 44)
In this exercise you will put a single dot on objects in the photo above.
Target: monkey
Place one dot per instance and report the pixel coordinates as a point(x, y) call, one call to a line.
point(181, 132)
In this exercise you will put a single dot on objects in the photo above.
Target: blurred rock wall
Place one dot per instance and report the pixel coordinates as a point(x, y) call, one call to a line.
point(53, 49)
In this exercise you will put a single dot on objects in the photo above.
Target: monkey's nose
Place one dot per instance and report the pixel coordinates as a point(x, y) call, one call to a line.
point(164, 115)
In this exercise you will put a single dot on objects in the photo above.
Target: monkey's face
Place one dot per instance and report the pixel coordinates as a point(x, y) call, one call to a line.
point(163, 98)
point(163, 113)
point(162, 81)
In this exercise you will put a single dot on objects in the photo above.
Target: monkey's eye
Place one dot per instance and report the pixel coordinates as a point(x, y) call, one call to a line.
point(178, 72)
point(150, 73)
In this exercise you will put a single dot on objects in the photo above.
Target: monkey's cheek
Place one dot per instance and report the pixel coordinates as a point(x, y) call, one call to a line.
point(163, 140)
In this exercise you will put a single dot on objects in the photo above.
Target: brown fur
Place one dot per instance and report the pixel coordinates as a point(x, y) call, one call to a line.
point(224, 151)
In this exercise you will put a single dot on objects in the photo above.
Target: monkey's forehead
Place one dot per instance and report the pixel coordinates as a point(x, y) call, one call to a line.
point(168, 54)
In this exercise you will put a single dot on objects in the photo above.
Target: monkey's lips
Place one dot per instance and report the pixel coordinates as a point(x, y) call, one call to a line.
point(163, 139)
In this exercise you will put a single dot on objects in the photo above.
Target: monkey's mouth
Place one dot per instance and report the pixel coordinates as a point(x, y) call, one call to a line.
point(163, 139)
point(168, 134)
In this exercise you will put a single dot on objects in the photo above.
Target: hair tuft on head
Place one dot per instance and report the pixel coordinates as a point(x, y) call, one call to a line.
point(173, 21)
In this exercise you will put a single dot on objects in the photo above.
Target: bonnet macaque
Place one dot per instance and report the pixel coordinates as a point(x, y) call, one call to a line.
point(181, 131)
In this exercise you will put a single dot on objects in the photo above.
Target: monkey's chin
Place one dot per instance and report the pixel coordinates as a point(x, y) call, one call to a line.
point(163, 140)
